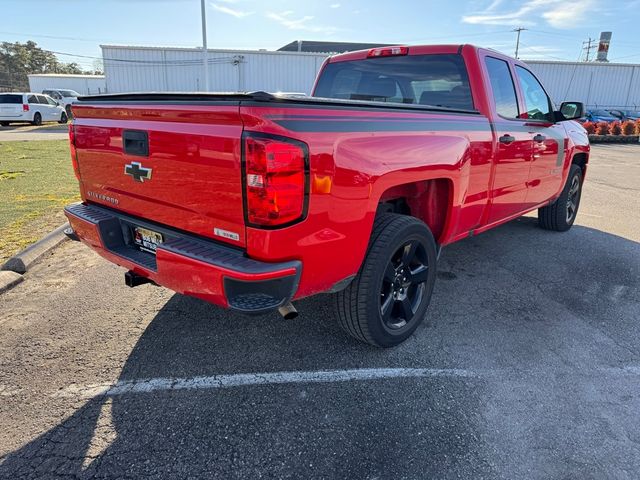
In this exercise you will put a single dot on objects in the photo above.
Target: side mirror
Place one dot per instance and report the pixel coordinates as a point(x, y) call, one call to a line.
point(572, 110)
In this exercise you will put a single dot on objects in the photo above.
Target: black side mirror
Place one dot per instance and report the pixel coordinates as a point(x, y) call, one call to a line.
point(572, 110)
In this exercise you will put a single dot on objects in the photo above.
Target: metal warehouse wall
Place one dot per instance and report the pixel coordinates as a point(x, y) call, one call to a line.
point(595, 84)
point(84, 84)
point(130, 69)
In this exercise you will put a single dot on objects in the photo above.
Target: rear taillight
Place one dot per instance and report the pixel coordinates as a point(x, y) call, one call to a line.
point(72, 148)
point(388, 51)
point(25, 107)
point(276, 180)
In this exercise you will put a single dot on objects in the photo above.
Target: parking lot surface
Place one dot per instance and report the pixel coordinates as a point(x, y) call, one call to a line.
point(25, 132)
point(528, 366)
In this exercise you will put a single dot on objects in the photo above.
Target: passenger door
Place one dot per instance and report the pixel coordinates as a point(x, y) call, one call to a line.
point(545, 174)
point(513, 144)
point(55, 108)
point(49, 112)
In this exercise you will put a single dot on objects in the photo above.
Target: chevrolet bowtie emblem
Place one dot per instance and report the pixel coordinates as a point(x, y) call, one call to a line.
point(137, 171)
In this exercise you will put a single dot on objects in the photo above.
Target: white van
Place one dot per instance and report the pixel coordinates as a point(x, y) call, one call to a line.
point(34, 108)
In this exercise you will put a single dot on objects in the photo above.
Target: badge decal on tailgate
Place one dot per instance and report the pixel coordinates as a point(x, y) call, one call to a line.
point(226, 234)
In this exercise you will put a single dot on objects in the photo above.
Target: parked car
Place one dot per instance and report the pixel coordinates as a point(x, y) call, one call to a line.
point(64, 97)
point(600, 116)
point(30, 107)
point(625, 114)
point(251, 200)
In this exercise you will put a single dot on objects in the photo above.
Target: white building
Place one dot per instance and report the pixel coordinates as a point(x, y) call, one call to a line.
point(144, 69)
point(162, 69)
point(595, 84)
point(84, 84)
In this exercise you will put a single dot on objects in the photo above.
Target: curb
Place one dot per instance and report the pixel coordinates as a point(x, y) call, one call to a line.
point(8, 280)
point(22, 261)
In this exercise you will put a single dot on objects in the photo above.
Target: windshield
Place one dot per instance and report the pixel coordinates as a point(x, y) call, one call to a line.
point(439, 80)
point(69, 93)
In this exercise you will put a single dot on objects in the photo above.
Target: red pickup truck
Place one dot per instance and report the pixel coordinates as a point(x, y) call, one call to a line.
point(252, 200)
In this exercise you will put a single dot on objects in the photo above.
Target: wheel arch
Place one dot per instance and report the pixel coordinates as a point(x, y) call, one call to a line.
point(581, 159)
point(429, 200)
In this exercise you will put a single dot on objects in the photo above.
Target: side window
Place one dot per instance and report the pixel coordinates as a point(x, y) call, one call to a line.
point(535, 98)
point(42, 99)
point(51, 101)
point(504, 91)
point(32, 99)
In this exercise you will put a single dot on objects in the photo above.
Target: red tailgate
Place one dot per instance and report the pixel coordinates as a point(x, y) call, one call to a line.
point(178, 165)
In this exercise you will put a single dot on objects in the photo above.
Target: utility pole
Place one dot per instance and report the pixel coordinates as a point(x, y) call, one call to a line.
point(205, 54)
point(519, 29)
point(588, 46)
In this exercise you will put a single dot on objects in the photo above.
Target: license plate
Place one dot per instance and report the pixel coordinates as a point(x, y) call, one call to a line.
point(146, 240)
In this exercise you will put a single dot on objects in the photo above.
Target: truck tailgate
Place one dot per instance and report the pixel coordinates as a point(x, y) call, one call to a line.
point(174, 164)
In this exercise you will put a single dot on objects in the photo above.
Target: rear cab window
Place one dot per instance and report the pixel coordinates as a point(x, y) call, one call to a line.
point(10, 98)
point(439, 80)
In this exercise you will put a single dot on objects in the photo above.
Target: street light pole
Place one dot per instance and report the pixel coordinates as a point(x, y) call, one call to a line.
point(205, 55)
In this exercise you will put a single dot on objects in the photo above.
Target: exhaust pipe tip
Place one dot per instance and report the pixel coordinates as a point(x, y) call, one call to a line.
point(288, 311)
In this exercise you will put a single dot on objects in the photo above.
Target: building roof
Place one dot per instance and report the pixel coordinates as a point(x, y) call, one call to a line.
point(64, 75)
point(328, 47)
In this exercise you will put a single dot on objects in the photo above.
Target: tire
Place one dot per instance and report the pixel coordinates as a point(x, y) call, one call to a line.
point(560, 215)
point(4, 124)
point(37, 119)
point(63, 118)
point(394, 240)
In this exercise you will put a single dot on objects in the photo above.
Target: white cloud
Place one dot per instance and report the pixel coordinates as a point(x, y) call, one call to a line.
point(303, 23)
point(334, 5)
point(557, 13)
point(231, 11)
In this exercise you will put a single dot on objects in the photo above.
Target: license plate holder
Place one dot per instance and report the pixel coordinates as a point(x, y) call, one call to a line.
point(147, 240)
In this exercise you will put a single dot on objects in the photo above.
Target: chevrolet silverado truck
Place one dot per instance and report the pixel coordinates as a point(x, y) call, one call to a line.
point(250, 201)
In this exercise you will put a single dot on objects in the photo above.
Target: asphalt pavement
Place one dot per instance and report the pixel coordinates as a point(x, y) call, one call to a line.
point(25, 132)
point(527, 367)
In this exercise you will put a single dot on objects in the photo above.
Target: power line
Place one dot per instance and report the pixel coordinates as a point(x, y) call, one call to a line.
point(544, 54)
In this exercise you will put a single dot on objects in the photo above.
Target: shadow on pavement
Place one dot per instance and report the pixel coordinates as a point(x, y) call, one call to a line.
point(396, 428)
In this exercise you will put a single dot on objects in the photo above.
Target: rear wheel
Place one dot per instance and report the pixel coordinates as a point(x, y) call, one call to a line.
point(389, 297)
point(560, 215)
point(37, 119)
point(63, 118)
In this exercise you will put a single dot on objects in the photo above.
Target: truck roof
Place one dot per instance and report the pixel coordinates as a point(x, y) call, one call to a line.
point(413, 50)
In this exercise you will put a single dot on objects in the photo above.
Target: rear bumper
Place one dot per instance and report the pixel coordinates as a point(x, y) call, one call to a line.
point(187, 264)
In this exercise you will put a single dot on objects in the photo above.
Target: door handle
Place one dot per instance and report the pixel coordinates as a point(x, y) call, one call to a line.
point(539, 138)
point(507, 139)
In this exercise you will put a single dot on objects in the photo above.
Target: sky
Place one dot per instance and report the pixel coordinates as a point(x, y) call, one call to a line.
point(556, 29)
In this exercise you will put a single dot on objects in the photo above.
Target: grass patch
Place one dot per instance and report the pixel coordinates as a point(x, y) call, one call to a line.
point(36, 181)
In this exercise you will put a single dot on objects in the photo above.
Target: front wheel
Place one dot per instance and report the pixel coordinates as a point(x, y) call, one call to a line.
point(389, 297)
point(560, 215)
point(63, 118)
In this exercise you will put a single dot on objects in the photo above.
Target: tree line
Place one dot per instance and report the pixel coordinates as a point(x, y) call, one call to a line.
point(17, 60)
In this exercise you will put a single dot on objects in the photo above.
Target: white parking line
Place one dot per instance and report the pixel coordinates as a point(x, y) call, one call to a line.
point(245, 379)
